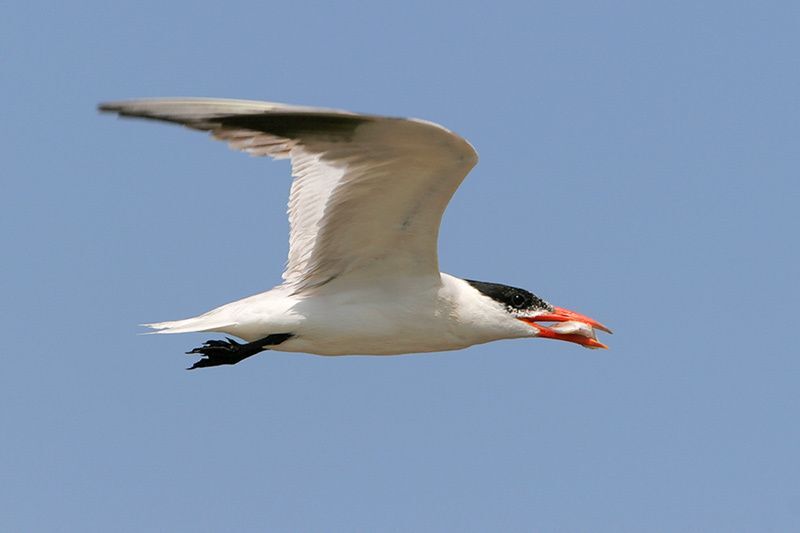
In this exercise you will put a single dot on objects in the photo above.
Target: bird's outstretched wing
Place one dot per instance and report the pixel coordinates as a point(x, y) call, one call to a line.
point(368, 191)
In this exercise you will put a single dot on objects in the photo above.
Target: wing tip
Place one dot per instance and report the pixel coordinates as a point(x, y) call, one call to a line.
point(107, 107)
point(121, 108)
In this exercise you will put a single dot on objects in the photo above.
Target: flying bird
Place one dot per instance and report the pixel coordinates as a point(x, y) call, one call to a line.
point(362, 277)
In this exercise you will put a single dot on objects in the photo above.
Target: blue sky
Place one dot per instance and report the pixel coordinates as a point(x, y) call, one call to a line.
point(639, 163)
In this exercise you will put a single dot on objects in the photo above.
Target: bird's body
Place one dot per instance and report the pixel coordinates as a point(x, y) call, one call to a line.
point(362, 275)
point(425, 315)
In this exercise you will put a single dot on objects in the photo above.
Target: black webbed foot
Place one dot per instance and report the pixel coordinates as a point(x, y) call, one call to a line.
point(230, 352)
point(227, 352)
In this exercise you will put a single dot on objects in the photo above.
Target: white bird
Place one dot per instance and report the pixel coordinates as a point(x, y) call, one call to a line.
point(362, 275)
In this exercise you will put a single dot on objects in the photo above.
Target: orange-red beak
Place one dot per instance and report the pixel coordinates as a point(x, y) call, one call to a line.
point(577, 331)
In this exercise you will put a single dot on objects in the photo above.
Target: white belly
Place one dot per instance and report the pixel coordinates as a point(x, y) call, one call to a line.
point(360, 328)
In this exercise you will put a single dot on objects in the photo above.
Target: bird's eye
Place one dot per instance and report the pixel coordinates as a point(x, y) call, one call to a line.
point(518, 300)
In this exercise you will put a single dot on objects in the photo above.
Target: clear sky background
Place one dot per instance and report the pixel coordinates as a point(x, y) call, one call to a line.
point(639, 163)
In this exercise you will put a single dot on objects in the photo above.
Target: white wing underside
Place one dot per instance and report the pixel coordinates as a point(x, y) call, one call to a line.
point(368, 192)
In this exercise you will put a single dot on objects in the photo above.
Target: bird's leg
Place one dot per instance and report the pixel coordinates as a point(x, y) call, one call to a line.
point(230, 352)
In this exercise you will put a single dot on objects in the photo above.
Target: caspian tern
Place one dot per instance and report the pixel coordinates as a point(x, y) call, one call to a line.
point(362, 277)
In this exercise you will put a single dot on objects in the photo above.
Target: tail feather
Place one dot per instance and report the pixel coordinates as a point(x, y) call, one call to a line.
point(188, 325)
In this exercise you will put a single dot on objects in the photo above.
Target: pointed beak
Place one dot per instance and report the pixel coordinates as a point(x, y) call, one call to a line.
point(572, 327)
point(560, 314)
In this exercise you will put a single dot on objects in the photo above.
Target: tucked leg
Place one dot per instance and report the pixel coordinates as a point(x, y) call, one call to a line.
point(230, 352)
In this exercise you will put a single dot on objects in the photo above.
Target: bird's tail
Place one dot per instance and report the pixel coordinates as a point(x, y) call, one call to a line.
point(207, 322)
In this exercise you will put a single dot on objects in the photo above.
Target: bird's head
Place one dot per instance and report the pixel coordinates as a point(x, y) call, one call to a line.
point(528, 308)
